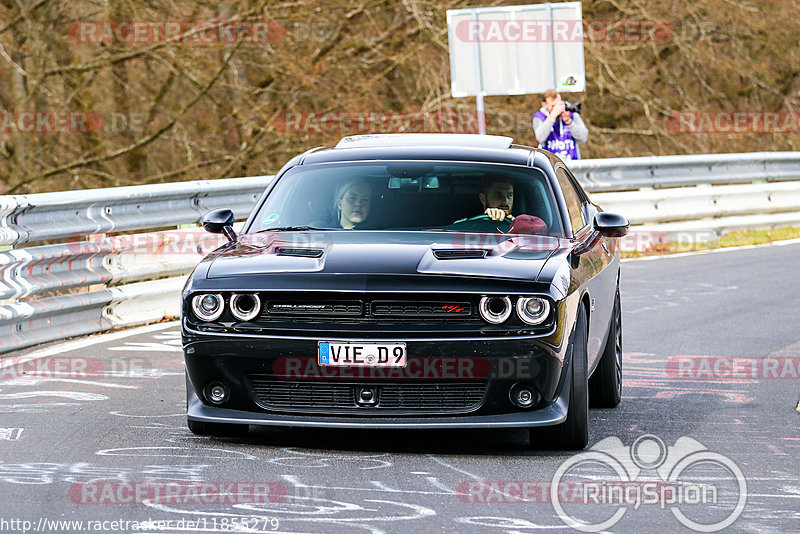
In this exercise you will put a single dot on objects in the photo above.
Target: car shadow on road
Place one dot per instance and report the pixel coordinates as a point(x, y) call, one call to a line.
point(475, 442)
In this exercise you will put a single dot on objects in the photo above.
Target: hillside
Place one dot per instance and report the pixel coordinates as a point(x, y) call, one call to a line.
point(105, 111)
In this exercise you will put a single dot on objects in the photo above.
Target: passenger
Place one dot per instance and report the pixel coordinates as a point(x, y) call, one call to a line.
point(352, 204)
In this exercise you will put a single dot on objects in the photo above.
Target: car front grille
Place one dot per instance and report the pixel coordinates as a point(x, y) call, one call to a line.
point(426, 396)
point(394, 308)
point(281, 309)
point(370, 309)
point(437, 397)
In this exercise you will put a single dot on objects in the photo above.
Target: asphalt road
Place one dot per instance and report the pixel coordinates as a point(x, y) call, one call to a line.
point(712, 349)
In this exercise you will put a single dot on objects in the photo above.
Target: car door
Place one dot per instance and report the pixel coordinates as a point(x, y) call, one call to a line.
point(592, 271)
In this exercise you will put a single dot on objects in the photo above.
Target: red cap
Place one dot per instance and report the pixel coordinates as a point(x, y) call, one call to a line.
point(527, 224)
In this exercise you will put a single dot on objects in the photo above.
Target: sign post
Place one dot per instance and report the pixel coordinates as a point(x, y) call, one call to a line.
point(515, 50)
point(478, 81)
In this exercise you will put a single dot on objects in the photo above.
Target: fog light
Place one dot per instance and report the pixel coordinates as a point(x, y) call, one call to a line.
point(216, 393)
point(524, 395)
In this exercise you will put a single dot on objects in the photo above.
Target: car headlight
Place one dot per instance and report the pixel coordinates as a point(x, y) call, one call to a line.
point(245, 306)
point(208, 306)
point(495, 309)
point(532, 310)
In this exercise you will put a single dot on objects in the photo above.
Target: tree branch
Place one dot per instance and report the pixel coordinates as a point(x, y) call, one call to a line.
point(139, 143)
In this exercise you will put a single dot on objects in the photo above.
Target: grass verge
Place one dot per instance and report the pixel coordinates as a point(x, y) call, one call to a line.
point(731, 239)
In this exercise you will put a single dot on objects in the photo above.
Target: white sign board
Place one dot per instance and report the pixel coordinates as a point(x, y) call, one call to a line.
point(514, 50)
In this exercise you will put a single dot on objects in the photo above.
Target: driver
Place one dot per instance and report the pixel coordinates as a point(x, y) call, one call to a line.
point(497, 197)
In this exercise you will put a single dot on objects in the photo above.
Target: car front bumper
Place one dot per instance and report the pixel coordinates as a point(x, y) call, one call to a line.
point(496, 364)
point(553, 414)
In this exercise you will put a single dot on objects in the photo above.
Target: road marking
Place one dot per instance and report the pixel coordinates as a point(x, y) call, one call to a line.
point(147, 347)
point(323, 460)
point(41, 381)
point(120, 414)
point(74, 395)
point(311, 514)
point(293, 480)
point(436, 484)
point(48, 473)
point(454, 468)
point(38, 407)
point(10, 434)
point(76, 344)
point(175, 452)
point(506, 523)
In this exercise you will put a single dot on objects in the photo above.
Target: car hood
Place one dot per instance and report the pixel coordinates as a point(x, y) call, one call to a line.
point(386, 252)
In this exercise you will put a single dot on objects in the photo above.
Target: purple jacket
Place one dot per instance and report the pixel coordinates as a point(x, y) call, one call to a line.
point(561, 141)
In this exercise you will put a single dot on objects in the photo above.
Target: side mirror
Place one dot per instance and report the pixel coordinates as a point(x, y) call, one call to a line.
point(611, 224)
point(220, 222)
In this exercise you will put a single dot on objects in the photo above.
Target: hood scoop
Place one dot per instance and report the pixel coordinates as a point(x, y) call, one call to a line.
point(300, 252)
point(459, 254)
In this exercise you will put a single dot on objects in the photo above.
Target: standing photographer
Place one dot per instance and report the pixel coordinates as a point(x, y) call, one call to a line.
point(558, 128)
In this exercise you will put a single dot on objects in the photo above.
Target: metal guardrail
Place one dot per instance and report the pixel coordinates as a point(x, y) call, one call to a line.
point(65, 214)
point(100, 273)
point(33, 279)
point(628, 174)
point(657, 206)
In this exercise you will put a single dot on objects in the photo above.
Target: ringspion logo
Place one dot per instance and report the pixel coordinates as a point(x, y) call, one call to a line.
point(704, 490)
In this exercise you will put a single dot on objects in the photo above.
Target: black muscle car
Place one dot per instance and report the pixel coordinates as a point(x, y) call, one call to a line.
point(410, 281)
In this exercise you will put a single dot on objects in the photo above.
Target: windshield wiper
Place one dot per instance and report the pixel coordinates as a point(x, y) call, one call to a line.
point(292, 229)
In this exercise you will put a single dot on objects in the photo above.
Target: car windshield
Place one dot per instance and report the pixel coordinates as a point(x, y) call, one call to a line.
point(411, 196)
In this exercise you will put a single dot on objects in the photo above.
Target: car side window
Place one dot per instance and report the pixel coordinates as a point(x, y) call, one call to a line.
point(572, 198)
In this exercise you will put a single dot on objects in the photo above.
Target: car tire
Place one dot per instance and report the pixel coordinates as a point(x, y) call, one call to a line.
point(573, 433)
point(202, 428)
point(605, 385)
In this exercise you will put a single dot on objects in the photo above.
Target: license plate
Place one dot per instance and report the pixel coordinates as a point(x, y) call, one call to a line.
point(362, 354)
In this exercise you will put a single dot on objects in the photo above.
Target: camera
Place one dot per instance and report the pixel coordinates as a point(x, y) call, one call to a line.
point(572, 108)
